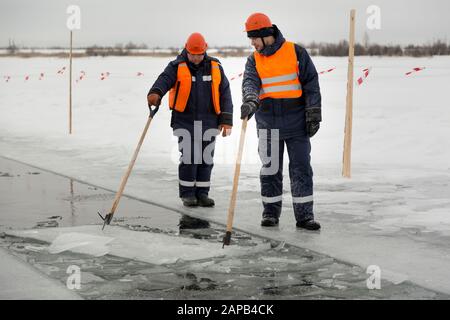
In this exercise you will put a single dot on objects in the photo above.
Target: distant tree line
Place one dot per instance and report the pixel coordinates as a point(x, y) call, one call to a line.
point(11, 48)
point(339, 49)
point(117, 50)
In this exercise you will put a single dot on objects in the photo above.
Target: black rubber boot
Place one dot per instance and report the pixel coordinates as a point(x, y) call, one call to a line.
point(269, 222)
point(205, 201)
point(308, 225)
point(190, 201)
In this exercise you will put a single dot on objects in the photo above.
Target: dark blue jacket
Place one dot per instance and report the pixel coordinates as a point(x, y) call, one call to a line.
point(200, 105)
point(287, 115)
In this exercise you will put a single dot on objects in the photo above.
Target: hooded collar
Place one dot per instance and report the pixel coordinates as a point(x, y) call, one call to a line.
point(279, 40)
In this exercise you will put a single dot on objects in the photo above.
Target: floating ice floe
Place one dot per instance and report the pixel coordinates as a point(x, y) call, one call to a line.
point(82, 243)
point(155, 248)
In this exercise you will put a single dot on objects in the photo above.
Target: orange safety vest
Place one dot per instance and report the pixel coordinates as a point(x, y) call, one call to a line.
point(279, 73)
point(179, 93)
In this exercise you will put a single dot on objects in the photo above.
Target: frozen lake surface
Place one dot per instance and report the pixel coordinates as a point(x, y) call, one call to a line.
point(50, 222)
point(393, 213)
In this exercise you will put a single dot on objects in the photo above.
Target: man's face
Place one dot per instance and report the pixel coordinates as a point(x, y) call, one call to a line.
point(258, 44)
point(195, 58)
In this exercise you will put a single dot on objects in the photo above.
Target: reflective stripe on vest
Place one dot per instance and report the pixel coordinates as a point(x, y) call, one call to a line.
point(279, 73)
point(179, 93)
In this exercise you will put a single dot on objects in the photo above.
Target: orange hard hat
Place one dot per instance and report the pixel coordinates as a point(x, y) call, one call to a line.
point(257, 21)
point(196, 44)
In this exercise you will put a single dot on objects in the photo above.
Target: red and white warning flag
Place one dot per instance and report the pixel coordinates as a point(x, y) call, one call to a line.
point(81, 76)
point(361, 79)
point(104, 75)
point(237, 76)
point(414, 70)
point(326, 71)
point(41, 76)
point(139, 74)
point(61, 71)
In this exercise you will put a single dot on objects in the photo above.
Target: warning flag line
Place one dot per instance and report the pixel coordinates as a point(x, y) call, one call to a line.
point(365, 74)
point(106, 75)
point(327, 71)
point(414, 70)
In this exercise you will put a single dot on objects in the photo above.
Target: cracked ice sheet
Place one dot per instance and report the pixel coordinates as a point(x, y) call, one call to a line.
point(155, 248)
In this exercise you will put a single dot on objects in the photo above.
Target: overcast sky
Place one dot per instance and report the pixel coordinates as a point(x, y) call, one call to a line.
point(169, 22)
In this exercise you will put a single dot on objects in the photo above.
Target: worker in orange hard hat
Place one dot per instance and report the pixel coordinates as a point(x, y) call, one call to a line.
point(200, 100)
point(196, 44)
point(258, 25)
point(281, 87)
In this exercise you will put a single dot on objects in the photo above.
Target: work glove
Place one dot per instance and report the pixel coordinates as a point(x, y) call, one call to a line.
point(313, 116)
point(225, 129)
point(153, 100)
point(248, 108)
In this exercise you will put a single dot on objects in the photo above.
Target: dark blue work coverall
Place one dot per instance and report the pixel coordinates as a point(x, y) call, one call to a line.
point(288, 116)
point(199, 117)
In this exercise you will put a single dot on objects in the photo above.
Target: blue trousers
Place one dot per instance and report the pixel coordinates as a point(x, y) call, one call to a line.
point(300, 173)
point(196, 164)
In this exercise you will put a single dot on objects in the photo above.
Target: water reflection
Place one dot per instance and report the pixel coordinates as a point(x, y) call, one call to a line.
point(187, 222)
point(73, 216)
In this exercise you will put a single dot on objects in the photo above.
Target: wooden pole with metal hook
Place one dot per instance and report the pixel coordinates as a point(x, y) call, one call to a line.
point(107, 219)
point(237, 171)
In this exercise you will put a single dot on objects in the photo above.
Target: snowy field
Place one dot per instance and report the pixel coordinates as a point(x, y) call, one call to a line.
point(394, 212)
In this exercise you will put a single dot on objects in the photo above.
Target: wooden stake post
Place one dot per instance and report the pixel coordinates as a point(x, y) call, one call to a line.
point(346, 168)
point(70, 84)
point(73, 23)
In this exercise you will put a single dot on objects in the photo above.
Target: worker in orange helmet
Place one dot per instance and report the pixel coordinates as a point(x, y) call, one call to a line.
point(200, 100)
point(281, 87)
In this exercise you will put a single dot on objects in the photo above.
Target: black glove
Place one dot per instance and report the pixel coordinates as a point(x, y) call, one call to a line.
point(313, 117)
point(248, 108)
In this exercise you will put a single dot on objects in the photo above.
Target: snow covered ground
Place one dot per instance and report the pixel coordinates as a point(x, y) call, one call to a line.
point(394, 212)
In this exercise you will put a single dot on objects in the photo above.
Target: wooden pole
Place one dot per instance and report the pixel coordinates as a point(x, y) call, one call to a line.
point(346, 167)
point(70, 84)
point(237, 171)
point(130, 167)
